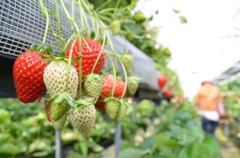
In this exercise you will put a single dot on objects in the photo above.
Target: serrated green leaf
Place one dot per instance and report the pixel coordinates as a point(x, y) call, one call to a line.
point(5, 137)
point(133, 153)
point(62, 55)
point(164, 142)
point(195, 150)
point(76, 59)
point(74, 155)
point(4, 116)
point(9, 148)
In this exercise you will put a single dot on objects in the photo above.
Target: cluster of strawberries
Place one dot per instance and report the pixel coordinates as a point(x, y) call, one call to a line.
point(73, 88)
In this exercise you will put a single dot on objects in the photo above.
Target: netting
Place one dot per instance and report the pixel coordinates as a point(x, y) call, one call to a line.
point(22, 23)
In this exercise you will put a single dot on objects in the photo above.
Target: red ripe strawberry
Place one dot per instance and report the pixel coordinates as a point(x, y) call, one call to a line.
point(107, 87)
point(119, 88)
point(162, 80)
point(168, 93)
point(88, 56)
point(28, 72)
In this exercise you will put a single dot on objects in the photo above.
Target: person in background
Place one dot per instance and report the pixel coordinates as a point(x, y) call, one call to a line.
point(207, 100)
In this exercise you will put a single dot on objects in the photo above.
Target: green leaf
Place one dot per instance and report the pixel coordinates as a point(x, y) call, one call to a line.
point(195, 150)
point(183, 19)
point(92, 35)
point(9, 148)
point(4, 116)
point(87, 101)
point(76, 59)
point(5, 137)
point(212, 144)
point(148, 143)
point(164, 142)
point(6, 155)
point(176, 11)
point(66, 97)
point(74, 155)
point(62, 55)
point(133, 153)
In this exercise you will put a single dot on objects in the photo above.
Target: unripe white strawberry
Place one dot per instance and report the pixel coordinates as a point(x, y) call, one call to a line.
point(83, 119)
point(55, 78)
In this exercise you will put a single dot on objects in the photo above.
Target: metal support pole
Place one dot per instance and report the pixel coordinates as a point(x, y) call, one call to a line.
point(134, 112)
point(117, 139)
point(58, 144)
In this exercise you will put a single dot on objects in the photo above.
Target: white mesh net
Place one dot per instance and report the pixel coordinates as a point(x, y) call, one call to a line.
point(22, 23)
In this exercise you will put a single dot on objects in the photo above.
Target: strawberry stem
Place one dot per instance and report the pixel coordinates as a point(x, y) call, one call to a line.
point(80, 68)
point(71, 20)
point(69, 65)
point(114, 72)
point(126, 78)
point(83, 17)
point(100, 53)
point(45, 14)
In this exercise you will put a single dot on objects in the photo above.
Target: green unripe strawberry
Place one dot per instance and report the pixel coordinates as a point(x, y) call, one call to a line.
point(58, 110)
point(127, 61)
point(112, 106)
point(139, 17)
point(132, 85)
point(115, 26)
point(121, 111)
point(93, 85)
point(59, 124)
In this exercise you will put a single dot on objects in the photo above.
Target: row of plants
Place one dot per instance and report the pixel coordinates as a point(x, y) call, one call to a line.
point(231, 95)
point(25, 132)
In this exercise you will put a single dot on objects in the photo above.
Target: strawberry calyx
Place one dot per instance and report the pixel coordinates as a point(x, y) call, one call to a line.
point(58, 98)
point(87, 101)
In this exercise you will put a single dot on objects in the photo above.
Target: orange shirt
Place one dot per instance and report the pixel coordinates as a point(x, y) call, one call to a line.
point(207, 97)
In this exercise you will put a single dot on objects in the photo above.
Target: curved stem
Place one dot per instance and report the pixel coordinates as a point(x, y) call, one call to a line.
point(126, 77)
point(83, 17)
point(71, 20)
point(103, 5)
point(69, 65)
point(99, 55)
point(80, 68)
point(45, 13)
point(114, 73)
point(69, 40)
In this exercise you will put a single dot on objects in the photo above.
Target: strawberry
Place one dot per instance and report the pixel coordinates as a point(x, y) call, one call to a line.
point(112, 106)
point(139, 17)
point(121, 111)
point(115, 27)
point(119, 88)
point(58, 110)
point(127, 61)
point(55, 76)
point(60, 106)
point(59, 124)
point(132, 85)
point(162, 80)
point(47, 110)
point(167, 93)
point(107, 88)
point(83, 118)
point(47, 107)
point(100, 105)
point(92, 85)
point(28, 72)
point(89, 56)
